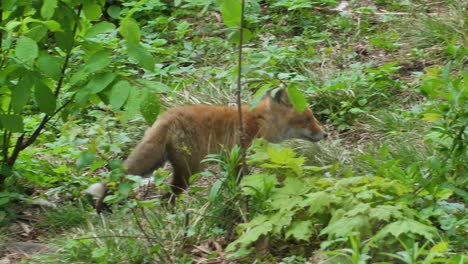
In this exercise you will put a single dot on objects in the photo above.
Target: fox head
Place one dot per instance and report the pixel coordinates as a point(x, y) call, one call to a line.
point(283, 121)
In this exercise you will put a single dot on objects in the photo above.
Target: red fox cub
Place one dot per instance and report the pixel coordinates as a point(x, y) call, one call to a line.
point(185, 135)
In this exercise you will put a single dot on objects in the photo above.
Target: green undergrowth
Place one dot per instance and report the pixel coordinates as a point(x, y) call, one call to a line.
point(387, 79)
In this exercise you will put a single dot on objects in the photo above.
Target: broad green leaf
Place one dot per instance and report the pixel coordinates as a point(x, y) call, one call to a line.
point(440, 247)
point(345, 225)
point(99, 82)
point(133, 105)
point(53, 26)
point(50, 66)
point(150, 106)
point(11, 25)
point(432, 117)
point(406, 226)
point(300, 230)
point(20, 94)
point(360, 209)
point(251, 236)
point(124, 189)
point(99, 28)
point(258, 183)
point(119, 94)
point(3, 201)
point(231, 11)
point(113, 11)
point(317, 202)
point(160, 87)
point(45, 99)
point(140, 55)
point(92, 11)
point(130, 30)
point(48, 9)
point(65, 39)
point(297, 98)
point(26, 50)
point(259, 95)
point(234, 36)
point(281, 220)
point(385, 212)
point(7, 5)
point(12, 123)
point(78, 76)
point(84, 160)
point(36, 33)
point(98, 61)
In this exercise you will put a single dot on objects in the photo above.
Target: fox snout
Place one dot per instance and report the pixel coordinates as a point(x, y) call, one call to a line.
point(317, 136)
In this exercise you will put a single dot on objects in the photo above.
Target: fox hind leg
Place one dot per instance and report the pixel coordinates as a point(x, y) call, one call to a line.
point(184, 167)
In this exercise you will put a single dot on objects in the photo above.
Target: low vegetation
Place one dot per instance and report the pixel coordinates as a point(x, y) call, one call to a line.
point(81, 80)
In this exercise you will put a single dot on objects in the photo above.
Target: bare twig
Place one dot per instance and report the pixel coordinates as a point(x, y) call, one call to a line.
point(239, 92)
point(147, 237)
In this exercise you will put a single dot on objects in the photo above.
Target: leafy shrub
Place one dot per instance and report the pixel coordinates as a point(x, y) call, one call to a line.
point(447, 110)
point(292, 201)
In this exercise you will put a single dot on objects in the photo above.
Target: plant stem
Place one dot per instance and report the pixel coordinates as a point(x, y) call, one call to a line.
point(239, 92)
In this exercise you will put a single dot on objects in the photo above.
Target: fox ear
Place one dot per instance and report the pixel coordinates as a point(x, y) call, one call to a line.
point(280, 96)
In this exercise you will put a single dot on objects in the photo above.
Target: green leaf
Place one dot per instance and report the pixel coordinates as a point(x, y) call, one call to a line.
point(385, 212)
point(100, 82)
point(20, 94)
point(259, 95)
point(258, 183)
point(130, 30)
point(406, 226)
point(150, 106)
point(65, 39)
point(98, 61)
point(48, 9)
point(84, 160)
point(234, 36)
point(297, 98)
point(140, 55)
point(7, 5)
point(300, 230)
point(36, 33)
point(12, 123)
point(281, 220)
point(432, 117)
point(124, 189)
point(26, 50)
point(440, 247)
point(45, 99)
point(119, 94)
point(92, 11)
point(133, 105)
point(253, 234)
point(359, 209)
point(214, 190)
point(3, 201)
point(113, 11)
point(50, 66)
point(53, 26)
point(231, 11)
point(345, 225)
point(317, 202)
point(99, 28)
